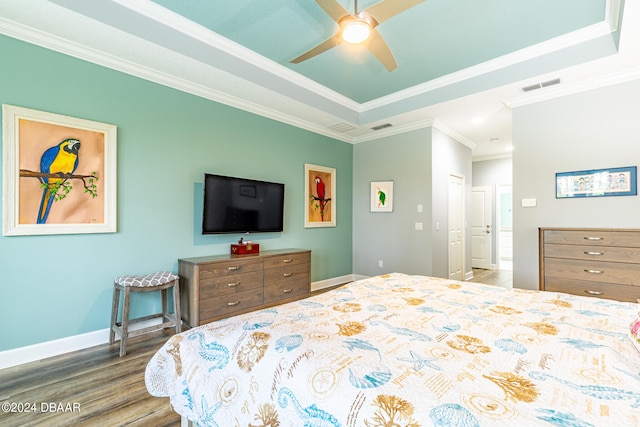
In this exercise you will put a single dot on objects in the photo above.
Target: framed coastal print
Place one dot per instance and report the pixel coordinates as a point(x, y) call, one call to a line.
point(59, 174)
point(597, 183)
point(320, 196)
point(382, 196)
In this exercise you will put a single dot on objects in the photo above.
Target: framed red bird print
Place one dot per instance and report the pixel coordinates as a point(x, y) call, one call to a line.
point(59, 174)
point(320, 196)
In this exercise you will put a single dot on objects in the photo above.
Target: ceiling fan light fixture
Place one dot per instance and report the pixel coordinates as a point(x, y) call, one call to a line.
point(356, 31)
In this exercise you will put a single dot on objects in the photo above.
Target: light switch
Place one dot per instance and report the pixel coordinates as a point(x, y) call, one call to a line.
point(528, 203)
point(419, 226)
point(420, 208)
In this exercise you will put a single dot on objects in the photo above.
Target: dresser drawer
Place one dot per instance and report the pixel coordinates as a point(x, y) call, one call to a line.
point(286, 260)
point(593, 237)
point(591, 253)
point(228, 268)
point(227, 305)
point(286, 282)
point(287, 273)
point(593, 289)
point(285, 290)
point(593, 271)
point(231, 284)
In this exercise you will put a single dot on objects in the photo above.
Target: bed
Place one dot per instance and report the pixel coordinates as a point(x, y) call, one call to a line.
point(408, 351)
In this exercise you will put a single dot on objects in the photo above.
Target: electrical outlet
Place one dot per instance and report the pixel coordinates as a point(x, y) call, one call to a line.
point(380, 263)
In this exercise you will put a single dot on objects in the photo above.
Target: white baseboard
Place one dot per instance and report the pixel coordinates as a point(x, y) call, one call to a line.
point(31, 353)
point(335, 281)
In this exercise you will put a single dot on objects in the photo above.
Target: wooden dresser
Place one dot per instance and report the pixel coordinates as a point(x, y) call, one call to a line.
point(216, 287)
point(602, 262)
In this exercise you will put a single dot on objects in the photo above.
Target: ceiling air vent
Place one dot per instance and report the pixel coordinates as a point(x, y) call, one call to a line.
point(342, 127)
point(541, 85)
point(382, 126)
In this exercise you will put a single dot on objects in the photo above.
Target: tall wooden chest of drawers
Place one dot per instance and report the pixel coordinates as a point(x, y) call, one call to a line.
point(602, 262)
point(216, 287)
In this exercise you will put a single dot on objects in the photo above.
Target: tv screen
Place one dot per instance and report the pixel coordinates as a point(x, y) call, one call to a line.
point(238, 205)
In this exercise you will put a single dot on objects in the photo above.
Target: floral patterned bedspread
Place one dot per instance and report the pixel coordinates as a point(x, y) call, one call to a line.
point(408, 351)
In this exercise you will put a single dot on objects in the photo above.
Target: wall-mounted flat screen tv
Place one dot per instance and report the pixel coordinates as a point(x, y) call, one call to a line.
point(239, 205)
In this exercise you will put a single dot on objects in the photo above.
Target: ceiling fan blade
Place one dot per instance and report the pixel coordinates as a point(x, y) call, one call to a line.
point(333, 9)
point(322, 47)
point(388, 8)
point(380, 50)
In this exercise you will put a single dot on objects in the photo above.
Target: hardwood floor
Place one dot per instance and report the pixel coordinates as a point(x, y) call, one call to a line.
point(95, 387)
point(90, 387)
point(502, 278)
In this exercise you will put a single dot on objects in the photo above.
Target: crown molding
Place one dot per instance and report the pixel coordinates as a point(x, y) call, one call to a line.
point(76, 50)
point(192, 29)
point(493, 157)
point(179, 23)
point(574, 88)
point(453, 134)
point(558, 43)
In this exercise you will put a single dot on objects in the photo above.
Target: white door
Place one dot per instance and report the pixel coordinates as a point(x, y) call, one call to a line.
point(481, 232)
point(456, 227)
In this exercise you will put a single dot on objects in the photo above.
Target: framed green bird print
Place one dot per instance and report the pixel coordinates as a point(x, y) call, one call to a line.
point(382, 196)
point(59, 174)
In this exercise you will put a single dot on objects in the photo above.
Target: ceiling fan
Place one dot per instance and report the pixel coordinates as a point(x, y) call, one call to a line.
point(360, 27)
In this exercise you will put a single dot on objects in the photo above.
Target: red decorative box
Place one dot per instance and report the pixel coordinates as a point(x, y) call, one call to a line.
point(245, 248)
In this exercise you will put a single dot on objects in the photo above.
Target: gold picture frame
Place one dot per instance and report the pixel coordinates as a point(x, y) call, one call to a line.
point(59, 174)
point(319, 196)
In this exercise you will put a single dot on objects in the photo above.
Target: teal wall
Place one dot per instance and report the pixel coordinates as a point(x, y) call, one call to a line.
point(59, 286)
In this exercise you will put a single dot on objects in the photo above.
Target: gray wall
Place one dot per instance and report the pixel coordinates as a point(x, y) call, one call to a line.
point(492, 172)
point(591, 130)
point(419, 163)
point(449, 156)
point(391, 237)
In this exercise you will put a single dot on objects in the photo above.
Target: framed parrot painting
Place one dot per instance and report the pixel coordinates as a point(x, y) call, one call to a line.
point(320, 196)
point(382, 196)
point(59, 174)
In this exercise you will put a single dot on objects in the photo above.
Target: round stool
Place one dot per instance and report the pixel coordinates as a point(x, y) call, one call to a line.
point(161, 281)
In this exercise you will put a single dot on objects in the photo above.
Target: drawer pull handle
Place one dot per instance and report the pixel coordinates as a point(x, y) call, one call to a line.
point(593, 238)
point(231, 304)
point(288, 260)
point(287, 274)
point(594, 271)
point(233, 285)
point(593, 292)
point(237, 267)
point(287, 291)
point(593, 253)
